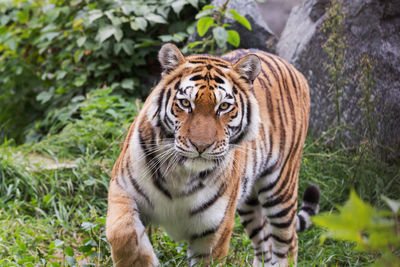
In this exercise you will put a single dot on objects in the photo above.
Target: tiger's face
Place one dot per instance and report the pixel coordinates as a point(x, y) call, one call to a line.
point(205, 105)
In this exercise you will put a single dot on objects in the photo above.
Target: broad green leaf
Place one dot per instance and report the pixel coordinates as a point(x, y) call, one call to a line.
point(127, 8)
point(239, 18)
point(221, 36)
point(79, 81)
point(194, 44)
point(156, 18)
point(116, 21)
point(94, 15)
point(203, 25)
point(127, 46)
point(61, 74)
point(117, 48)
point(128, 84)
point(142, 23)
point(207, 7)
point(105, 32)
point(118, 34)
point(134, 25)
point(194, 3)
point(204, 13)
point(78, 55)
point(166, 38)
point(177, 6)
point(76, 23)
point(44, 96)
point(81, 41)
point(233, 38)
point(351, 221)
point(69, 251)
point(23, 16)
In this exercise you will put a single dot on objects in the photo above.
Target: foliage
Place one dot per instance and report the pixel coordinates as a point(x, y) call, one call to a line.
point(372, 231)
point(54, 50)
point(213, 18)
point(54, 215)
point(335, 47)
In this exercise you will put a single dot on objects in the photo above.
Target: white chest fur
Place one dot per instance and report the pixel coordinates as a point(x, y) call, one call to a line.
point(181, 215)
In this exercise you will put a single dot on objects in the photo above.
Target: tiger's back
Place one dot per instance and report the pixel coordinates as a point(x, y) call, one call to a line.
point(216, 134)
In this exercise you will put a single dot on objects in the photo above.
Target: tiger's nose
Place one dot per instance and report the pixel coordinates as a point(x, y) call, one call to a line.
point(200, 146)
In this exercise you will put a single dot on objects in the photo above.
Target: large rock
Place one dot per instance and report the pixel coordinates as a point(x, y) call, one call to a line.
point(260, 36)
point(371, 30)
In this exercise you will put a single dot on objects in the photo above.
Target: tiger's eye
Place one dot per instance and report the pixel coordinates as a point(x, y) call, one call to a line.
point(185, 103)
point(224, 106)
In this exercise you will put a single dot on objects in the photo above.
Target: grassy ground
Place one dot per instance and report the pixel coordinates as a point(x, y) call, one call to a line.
point(53, 213)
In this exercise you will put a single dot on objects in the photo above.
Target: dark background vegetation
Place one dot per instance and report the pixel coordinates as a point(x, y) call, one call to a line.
point(73, 75)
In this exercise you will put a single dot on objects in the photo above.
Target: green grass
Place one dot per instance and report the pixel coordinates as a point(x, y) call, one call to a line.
point(56, 217)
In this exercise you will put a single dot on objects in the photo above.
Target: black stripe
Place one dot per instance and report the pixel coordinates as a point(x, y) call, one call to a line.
point(211, 59)
point(246, 222)
point(283, 212)
point(194, 189)
point(159, 185)
point(284, 224)
point(197, 77)
point(281, 240)
point(244, 212)
point(177, 85)
point(291, 74)
point(256, 231)
point(244, 185)
point(244, 129)
point(159, 104)
point(302, 222)
point(222, 66)
point(282, 136)
point(153, 160)
point(265, 76)
point(273, 71)
point(210, 202)
point(136, 185)
point(252, 202)
point(264, 239)
point(218, 80)
point(280, 198)
point(280, 255)
point(274, 202)
point(204, 233)
point(197, 62)
point(219, 72)
point(309, 210)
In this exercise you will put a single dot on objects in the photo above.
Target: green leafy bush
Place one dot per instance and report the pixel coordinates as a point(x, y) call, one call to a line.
point(212, 17)
point(54, 50)
point(372, 231)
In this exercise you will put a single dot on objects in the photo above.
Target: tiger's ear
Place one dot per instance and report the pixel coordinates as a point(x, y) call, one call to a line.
point(248, 67)
point(170, 57)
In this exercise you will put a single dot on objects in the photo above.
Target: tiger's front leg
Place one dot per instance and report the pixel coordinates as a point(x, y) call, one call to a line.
point(209, 248)
point(212, 246)
point(130, 245)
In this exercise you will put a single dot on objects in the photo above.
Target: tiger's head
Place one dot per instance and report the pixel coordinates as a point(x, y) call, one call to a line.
point(205, 105)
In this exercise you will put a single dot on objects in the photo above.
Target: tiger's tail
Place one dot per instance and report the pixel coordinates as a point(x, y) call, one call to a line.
point(309, 208)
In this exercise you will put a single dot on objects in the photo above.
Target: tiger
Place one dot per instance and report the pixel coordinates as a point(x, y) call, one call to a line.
point(216, 136)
